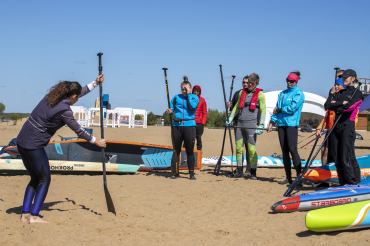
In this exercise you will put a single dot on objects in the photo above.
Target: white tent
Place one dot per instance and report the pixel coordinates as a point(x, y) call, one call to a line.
point(313, 104)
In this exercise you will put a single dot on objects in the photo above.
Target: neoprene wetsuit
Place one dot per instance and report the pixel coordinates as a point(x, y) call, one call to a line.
point(35, 134)
point(248, 117)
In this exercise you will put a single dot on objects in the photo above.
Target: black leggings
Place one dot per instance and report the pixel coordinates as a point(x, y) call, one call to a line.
point(37, 165)
point(348, 170)
point(288, 136)
point(186, 134)
point(198, 135)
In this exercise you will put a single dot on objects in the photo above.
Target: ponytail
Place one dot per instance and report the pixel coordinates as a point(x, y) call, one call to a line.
point(61, 90)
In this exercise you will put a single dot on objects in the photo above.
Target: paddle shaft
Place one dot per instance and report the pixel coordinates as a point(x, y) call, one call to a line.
point(108, 197)
point(309, 162)
point(313, 139)
point(175, 159)
point(218, 164)
point(101, 118)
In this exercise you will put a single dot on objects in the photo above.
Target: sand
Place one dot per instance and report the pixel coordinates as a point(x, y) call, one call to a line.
point(155, 210)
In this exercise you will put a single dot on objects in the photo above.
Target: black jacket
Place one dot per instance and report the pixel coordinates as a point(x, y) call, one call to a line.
point(339, 98)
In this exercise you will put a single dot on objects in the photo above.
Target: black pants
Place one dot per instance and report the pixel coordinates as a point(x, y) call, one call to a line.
point(184, 134)
point(288, 136)
point(198, 135)
point(343, 141)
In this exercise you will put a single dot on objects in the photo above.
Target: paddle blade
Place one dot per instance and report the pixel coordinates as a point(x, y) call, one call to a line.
point(218, 167)
point(174, 163)
point(110, 204)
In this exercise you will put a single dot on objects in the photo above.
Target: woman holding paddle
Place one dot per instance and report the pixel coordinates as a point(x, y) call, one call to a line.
point(184, 127)
point(287, 115)
point(344, 132)
point(52, 113)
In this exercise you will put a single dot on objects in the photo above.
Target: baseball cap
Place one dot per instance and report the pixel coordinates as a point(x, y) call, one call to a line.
point(348, 73)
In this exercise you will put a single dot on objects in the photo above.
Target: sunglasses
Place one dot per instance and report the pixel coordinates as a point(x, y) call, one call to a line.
point(290, 81)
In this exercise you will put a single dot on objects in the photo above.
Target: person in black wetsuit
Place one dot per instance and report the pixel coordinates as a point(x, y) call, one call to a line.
point(344, 132)
point(52, 113)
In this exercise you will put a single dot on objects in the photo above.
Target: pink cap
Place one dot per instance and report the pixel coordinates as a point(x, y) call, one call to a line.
point(293, 76)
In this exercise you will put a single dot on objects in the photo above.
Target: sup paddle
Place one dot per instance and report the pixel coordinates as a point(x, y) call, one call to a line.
point(313, 139)
point(174, 159)
point(309, 161)
point(218, 164)
point(108, 198)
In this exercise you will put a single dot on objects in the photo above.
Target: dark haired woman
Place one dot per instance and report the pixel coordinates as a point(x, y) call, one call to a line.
point(287, 115)
point(344, 132)
point(52, 112)
point(184, 127)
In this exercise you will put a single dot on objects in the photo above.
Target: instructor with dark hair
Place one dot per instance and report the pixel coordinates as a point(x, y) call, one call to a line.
point(344, 132)
point(52, 113)
point(287, 115)
point(184, 106)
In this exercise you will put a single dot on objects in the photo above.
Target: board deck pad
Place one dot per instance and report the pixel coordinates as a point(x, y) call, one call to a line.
point(147, 156)
point(328, 172)
point(263, 161)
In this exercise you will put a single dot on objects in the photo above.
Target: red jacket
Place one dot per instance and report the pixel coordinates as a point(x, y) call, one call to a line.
point(201, 113)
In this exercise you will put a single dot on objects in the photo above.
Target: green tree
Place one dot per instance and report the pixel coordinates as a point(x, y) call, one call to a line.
point(215, 118)
point(15, 117)
point(138, 117)
point(166, 118)
point(2, 108)
point(152, 119)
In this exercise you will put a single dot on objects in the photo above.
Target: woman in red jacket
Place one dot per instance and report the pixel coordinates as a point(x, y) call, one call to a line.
point(200, 116)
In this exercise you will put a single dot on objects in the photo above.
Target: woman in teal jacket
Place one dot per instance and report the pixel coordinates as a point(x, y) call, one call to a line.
point(184, 127)
point(287, 115)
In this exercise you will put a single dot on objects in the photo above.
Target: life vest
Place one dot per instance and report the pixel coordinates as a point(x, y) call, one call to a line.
point(253, 103)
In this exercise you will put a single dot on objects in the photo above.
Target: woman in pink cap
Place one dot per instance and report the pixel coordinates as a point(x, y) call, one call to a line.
point(287, 114)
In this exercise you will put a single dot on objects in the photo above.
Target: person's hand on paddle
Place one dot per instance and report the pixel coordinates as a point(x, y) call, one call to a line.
point(99, 79)
point(259, 131)
point(269, 129)
point(169, 111)
point(100, 143)
point(345, 102)
point(318, 133)
point(228, 122)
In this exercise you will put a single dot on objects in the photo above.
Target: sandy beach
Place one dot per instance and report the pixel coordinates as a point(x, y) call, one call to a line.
point(155, 210)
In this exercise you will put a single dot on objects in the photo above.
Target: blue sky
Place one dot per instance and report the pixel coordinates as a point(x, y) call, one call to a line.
point(43, 42)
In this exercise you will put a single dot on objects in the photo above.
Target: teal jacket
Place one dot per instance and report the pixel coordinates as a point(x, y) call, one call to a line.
point(184, 109)
point(290, 104)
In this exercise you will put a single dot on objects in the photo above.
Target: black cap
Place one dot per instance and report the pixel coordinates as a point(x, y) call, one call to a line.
point(348, 73)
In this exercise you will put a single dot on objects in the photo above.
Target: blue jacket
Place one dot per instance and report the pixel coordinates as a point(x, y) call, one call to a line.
point(184, 109)
point(290, 103)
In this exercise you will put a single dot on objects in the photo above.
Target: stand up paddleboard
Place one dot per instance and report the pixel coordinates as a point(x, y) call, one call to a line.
point(324, 198)
point(343, 217)
point(16, 166)
point(263, 161)
point(328, 172)
point(147, 156)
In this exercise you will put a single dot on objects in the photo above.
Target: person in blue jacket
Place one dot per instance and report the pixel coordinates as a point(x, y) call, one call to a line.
point(287, 115)
point(184, 127)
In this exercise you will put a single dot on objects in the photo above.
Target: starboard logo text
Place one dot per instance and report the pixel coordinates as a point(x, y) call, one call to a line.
point(330, 202)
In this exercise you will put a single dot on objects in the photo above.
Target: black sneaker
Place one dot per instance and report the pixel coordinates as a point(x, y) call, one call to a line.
point(285, 181)
point(247, 174)
point(237, 174)
point(175, 176)
point(192, 177)
point(253, 174)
